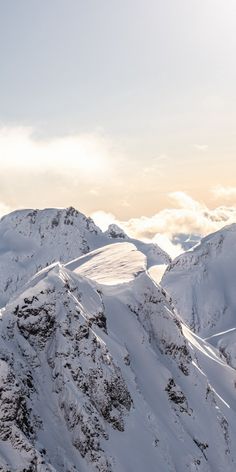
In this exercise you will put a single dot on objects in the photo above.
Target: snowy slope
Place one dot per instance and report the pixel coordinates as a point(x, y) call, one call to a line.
point(99, 374)
point(111, 265)
point(202, 283)
point(33, 239)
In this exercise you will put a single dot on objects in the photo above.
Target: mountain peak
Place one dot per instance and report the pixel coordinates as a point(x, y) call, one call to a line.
point(114, 231)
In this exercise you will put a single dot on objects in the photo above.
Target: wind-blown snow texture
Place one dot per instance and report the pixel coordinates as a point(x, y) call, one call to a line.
point(97, 370)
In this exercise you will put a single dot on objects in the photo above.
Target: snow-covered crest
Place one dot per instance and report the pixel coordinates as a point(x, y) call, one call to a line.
point(32, 239)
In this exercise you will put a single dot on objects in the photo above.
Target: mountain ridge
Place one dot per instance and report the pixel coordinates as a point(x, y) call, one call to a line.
point(100, 372)
point(33, 239)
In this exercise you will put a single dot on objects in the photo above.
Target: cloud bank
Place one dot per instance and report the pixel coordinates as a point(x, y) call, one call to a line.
point(86, 153)
point(60, 171)
point(89, 171)
point(190, 217)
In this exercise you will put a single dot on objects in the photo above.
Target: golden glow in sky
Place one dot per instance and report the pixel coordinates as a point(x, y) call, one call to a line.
point(115, 106)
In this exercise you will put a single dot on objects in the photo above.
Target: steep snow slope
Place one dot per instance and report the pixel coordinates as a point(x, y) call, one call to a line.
point(201, 283)
point(104, 376)
point(33, 239)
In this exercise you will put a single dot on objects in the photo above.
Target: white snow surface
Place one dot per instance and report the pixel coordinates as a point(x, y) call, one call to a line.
point(110, 265)
point(33, 239)
point(201, 283)
point(99, 373)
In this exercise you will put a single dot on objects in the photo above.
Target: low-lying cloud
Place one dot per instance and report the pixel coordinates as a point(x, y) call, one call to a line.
point(190, 217)
point(89, 171)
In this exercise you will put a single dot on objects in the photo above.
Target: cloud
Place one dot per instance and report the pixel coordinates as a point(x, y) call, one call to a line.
point(88, 154)
point(184, 200)
point(78, 170)
point(165, 243)
point(103, 219)
point(88, 169)
point(227, 194)
point(191, 217)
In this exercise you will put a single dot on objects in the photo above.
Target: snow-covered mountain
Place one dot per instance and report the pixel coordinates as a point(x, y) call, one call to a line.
point(201, 282)
point(32, 239)
point(98, 372)
point(202, 285)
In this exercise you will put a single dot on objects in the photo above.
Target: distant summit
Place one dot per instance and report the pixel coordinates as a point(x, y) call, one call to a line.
point(114, 231)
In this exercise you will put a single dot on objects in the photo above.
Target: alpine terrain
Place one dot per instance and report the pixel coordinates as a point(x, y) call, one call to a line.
point(103, 369)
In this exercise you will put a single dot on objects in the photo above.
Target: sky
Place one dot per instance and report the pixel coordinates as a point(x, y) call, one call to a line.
point(117, 107)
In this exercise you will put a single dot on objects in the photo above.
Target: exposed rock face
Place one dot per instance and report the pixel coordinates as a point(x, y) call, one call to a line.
point(164, 330)
point(115, 232)
point(49, 336)
point(33, 239)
